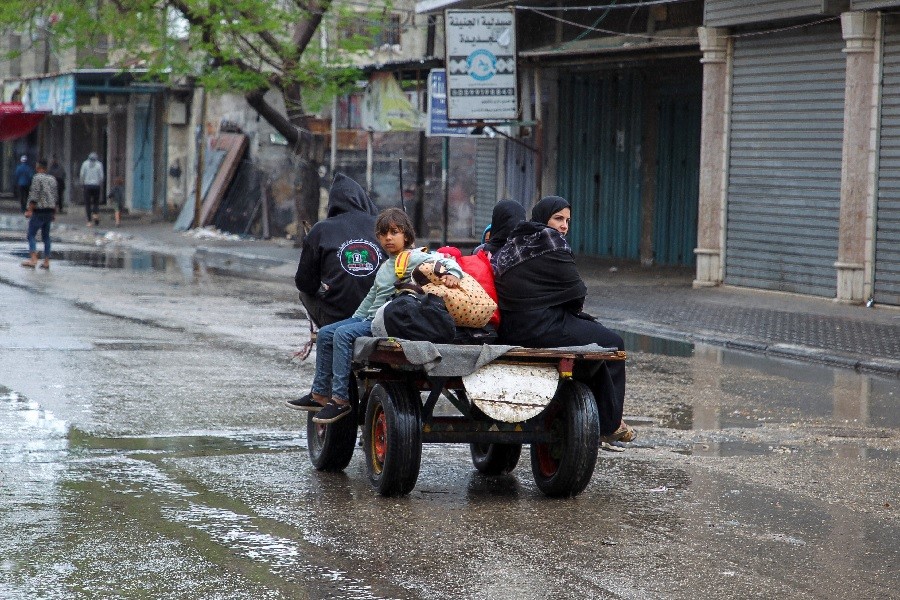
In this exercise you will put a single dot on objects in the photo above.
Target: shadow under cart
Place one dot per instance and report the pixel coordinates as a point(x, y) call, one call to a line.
point(525, 396)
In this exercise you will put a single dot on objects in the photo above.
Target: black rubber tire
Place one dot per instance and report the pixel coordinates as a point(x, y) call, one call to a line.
point(392, 438)
point(331, 446)
point(564, 466)
point(495, 459)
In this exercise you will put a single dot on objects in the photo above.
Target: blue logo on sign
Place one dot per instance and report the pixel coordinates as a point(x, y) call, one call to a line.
point(482, 65)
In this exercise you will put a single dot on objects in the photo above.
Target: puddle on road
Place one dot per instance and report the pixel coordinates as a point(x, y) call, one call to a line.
point(636, 342)
point(849, 450)
point(141, 261)
point(131, 260)
point(195, 444)
point(737, 389)
point(67, 484)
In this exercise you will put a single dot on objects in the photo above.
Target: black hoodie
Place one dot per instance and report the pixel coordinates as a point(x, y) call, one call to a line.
point(341, 254)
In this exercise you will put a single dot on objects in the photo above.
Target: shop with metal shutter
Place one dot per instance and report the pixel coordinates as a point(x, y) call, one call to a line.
point(629, 160)
point(784, 171)
point(886, 285)
point(485, 184)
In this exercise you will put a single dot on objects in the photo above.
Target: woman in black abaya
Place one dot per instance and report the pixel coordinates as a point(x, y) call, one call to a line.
point(541, 297)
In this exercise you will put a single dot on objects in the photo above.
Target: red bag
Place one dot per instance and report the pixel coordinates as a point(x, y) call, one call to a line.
point(479, 267)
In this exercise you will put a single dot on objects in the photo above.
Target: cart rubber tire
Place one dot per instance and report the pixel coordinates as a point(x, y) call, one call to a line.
point(495, 459)
point(392, 438)
point(331, 446)
point(564, 466)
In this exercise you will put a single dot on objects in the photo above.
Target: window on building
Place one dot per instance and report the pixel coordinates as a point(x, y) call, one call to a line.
point(386, 31)
point(390, 32)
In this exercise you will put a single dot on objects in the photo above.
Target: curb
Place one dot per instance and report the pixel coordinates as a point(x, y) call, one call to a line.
point(779, 350)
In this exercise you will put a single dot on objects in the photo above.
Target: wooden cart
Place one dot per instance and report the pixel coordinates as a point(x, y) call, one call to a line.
point(528, 396)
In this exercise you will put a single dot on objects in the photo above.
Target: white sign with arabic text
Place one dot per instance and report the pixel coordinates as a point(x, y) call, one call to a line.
point(481, 65)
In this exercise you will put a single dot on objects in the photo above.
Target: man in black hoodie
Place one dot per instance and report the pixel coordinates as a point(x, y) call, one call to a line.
point(340, 255)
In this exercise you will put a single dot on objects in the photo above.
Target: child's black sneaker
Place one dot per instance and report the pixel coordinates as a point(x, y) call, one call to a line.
point(305, 403)
point(332, 412)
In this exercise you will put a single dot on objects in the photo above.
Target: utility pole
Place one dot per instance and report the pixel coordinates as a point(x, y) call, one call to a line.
point(201, 148)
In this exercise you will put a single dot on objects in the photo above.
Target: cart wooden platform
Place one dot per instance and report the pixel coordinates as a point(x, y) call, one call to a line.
point(527, 396)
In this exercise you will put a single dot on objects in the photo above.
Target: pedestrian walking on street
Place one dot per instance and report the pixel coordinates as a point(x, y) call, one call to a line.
point(40, 211)
point(91, 176)
point(117, 195)
point(24, 173)
point(58, 173)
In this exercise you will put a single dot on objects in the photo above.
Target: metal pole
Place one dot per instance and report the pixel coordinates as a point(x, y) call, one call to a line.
point(402, 200)
point(201, 147)
point(445, 182)
point(370, 159)
point(334, 140)
point(538, 136)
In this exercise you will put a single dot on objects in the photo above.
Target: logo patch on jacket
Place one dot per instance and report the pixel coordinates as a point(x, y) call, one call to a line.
point(359, 257)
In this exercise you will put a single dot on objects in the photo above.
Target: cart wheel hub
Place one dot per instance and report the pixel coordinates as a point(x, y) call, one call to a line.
point(379, 438)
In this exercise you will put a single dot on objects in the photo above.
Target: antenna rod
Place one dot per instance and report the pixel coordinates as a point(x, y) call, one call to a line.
point(402, 199)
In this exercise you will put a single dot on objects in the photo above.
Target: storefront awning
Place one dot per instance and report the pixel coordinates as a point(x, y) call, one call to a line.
point(672, 39)
point(15, 122)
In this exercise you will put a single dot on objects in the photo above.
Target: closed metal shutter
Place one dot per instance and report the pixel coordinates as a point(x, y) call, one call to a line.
point(520, 180)
point(725, 13)
point(887, 224)
point(784, 181)
point(486, 184)
point(599, 161)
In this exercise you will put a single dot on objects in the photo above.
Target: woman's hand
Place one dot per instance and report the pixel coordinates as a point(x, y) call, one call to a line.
point(451, 281)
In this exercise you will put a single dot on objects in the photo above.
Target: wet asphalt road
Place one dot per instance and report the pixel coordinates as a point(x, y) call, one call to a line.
point(145, 452)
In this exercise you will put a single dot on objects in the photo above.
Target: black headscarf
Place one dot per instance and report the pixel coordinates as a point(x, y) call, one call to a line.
point(548, 207)
point(535, 269)
point(507, 214)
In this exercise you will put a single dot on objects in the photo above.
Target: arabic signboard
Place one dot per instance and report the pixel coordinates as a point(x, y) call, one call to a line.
point(53, 94)
point(438, 125)
point(481, 65)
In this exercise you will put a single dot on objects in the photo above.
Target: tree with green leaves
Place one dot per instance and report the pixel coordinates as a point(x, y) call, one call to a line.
point(250, 47)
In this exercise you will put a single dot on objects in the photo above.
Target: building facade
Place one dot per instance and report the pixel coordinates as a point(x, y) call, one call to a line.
point(799, 159)
point(610, 118)
point(755, 141)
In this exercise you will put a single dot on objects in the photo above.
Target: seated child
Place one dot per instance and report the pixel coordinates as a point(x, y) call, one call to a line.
point(330, 398)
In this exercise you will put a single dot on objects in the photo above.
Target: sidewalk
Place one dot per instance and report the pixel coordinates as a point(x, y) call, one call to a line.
point(658, 301)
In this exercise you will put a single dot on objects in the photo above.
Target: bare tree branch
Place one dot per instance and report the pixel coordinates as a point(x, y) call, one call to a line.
point(305, 30)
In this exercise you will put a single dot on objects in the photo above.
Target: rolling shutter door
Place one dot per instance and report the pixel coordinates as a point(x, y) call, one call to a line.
point(887, 224)
point(784, 182)
point(486, 184)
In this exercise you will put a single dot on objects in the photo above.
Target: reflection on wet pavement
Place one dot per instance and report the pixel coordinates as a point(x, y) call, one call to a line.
point(68, 482)
point(119, 258)
point(156, 460)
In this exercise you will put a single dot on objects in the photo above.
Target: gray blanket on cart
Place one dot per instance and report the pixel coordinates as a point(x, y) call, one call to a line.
point(451, 360)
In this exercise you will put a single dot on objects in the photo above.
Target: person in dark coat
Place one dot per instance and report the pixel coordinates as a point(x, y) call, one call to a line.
point(506, 215)
point(340, 255)
point(23, 176)
point(541, 298)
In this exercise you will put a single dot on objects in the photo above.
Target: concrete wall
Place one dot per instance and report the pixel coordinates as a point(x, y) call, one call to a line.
point(870, 4)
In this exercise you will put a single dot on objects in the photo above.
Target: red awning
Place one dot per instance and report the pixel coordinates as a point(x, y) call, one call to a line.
point(15, 122)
